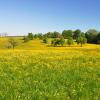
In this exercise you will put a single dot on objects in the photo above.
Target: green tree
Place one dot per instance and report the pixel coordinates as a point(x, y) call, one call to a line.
point(56, 34)
point(26, 39)
point(70, 41)
point(30, 36)
point(12, 42)
point(67, 33)
point(45, 40)
point(55, 42)
point(76, 34)
point(97, 39)
point(91, 35)
point(62, 41)
point(35, 36)
point(49, 34)
point(81, 40)
point(58, 41)
point(40, 36)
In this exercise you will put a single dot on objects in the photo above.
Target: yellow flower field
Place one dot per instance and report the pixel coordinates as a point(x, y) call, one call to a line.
point(34, 72)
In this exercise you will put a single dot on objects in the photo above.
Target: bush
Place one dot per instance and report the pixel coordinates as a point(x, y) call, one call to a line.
point(26, 39)
point(45, 40)
point(62, 41)
point(56, 42)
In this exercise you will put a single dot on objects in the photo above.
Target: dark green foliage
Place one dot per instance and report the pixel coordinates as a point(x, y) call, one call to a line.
point(40, 36)
point(70, 41)
point(67, 33)
point(12, 42)
point(30, 36)
point(91, 35)
point(76, 34)
point(35, 36)
point(81, 40)
point(26, 39)
point(62, 41)
point(45, 40)
point(57, 41)
point(55, 35)
point(97, 39)
point(49, 34)
point(82, 34)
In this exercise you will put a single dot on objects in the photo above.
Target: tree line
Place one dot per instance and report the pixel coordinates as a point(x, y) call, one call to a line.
point(92, 35)
point(59, 39)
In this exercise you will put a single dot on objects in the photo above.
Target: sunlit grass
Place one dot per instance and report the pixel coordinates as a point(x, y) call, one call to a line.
point(34, 71)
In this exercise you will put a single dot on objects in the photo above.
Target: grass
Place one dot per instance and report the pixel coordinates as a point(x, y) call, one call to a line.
point(38, 72)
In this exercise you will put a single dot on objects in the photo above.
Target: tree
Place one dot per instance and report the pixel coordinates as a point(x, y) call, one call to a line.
point(49, 34)
point(35, 36)
point(70, 41)
point(56, 34)
point(82, 34)
point(26, 39)
point(67, 33)
point(12, 42)
point(40, 36)
point(30, 36)
point(81, 40)
point(62, 41)
point(91, 35)
point(45, 40)
point(76, 34)
point(97, 39)
point(57, 41)
point(54, 42)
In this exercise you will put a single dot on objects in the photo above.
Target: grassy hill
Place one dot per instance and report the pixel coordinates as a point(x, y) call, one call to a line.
point(35, 71)
point(37, 44)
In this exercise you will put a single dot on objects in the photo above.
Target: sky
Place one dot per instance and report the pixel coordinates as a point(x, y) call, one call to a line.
point(18, 17)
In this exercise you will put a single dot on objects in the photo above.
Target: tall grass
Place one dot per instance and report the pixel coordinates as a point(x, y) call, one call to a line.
point(50, 74)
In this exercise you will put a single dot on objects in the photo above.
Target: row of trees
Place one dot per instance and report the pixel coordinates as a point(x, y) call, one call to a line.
point(69, 41)
point(92, 35)
point(58, 39)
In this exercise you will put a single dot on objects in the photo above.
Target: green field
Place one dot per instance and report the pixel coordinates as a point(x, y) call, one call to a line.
point(35, 71)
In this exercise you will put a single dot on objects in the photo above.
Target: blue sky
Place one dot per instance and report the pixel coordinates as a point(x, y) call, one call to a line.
point(18, 17)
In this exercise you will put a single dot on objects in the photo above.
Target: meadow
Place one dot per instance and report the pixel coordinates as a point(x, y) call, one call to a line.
point(35, 71)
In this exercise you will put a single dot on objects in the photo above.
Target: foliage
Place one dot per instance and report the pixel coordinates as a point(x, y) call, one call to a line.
point(76, 34)
point(30, 36)
point(45, 40)
point(81, 40)
point(97, 38)
point(49, 34)
point(70, 41)
point(62, 41)
point(91, 35)
point(40, 36)
point(55, 42)
point(56, 34)
point(58, 41)
point(67, 33)
point(12, 42)
point(26, 39)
